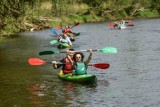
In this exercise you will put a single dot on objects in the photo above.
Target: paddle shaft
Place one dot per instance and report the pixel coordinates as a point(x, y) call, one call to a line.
point(37, 61)
point(87, 50)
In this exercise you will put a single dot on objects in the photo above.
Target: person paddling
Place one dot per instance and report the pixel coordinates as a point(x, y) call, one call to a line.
point(66, 65)
point(65, 39)
point(78, 64)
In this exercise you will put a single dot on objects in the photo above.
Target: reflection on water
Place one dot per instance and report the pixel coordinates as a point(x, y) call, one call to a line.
point(36, 91)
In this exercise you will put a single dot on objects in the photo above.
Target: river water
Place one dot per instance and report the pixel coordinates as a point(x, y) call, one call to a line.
point(133, 79)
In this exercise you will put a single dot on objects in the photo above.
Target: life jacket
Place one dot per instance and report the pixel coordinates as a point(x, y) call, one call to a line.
point(80, 68)
point(67, 30)
point(67, 67)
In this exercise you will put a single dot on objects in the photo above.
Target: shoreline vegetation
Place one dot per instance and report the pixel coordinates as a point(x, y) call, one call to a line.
point(34, 15)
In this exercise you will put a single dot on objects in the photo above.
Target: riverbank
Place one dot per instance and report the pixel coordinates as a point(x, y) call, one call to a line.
point(46, 14)
point(45, 23)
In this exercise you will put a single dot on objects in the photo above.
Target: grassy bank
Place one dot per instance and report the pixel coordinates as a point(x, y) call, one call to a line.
point(50, 14)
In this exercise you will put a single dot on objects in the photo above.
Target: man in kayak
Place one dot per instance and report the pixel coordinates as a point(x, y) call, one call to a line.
point(65, 63)
point(69, 32)
point(67, 29)
point(79, 65)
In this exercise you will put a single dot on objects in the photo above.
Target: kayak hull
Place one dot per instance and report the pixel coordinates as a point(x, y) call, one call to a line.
point(82, 79)
point(63, 46)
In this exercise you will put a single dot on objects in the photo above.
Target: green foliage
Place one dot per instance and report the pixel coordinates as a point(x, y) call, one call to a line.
point(148, 13)
point(14, 13)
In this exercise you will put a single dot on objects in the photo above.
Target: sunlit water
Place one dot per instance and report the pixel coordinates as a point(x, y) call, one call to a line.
point(133, 79)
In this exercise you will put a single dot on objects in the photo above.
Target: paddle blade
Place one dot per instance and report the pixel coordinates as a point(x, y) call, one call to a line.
point(46, 53)
point(109, 50)
point(53, 31)
point(75, 24)
point(36, 61)
point(76, 34)
point(53, 42)
point(110, 25)
point(130, 24)
point(58, 27)
point(101, 65)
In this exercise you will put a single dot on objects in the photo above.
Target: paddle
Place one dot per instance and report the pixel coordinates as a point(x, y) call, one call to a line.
point(75, 25)
point(100, 65)
point(130, 24)
point(53, 31)
point(111, 25)
point(104, 50)
point(60, 27)
point(37, 61)
point(53, 42)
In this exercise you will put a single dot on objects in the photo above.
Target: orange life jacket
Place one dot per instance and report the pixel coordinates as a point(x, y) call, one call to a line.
point(67, 67)
point(67, 30)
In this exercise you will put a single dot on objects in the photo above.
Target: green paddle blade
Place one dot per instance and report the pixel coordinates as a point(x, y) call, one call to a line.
point(109, 50)
point(53, 42)
point(46, 52)
point(77, 34)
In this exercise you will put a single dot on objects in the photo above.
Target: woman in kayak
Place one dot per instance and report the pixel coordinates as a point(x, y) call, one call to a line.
point(79, 65)
point(66, 66)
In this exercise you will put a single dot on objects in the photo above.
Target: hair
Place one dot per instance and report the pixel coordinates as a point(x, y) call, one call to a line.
point(74, 56)
point(71, 49)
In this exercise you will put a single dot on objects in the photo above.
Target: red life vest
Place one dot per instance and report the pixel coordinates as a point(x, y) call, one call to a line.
point(67, 67)
point(67, 30)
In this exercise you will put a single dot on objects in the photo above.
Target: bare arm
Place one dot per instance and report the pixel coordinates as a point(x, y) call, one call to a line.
point(89, 57)
point(54, 64)
point(69, 41)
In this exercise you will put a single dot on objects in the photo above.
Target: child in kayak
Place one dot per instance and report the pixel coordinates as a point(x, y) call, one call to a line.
point(79, 65)
point(66, 66)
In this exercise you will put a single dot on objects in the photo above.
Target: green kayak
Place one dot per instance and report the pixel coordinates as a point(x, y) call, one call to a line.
point(83, 79)
point(63, 46)
point(74, 34)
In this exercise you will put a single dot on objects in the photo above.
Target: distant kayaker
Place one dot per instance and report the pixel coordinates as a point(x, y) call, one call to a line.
point(65, 39)
point(69, 32)
point(79, 65)
point(66, 65)
point(67, 29)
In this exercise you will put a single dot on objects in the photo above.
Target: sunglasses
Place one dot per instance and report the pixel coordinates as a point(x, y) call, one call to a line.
point(78, 57)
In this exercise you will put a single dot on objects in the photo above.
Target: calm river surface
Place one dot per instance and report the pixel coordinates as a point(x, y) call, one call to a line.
point(133, 79)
